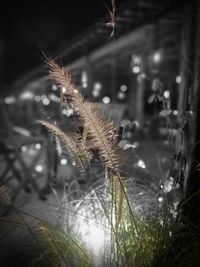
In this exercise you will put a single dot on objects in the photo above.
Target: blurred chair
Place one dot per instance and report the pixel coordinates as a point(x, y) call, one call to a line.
point(14, 168)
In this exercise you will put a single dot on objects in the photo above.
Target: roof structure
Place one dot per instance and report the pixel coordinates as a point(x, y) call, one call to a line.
point(131, 15)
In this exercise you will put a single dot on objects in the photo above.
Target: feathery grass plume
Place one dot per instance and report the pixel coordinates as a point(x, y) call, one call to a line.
point(75, 146)
point(5, 196)
point(103, 134)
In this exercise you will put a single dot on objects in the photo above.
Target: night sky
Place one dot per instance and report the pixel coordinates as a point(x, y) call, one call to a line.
point(28, 29)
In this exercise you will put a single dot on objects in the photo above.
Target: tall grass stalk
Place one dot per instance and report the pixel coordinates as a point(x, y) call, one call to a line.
point(132, 240)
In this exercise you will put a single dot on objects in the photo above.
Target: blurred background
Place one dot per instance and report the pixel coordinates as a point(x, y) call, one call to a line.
point(136, 76)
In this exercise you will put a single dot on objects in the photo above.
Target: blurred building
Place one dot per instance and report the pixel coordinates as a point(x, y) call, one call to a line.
point(149, 73)
point(138, 70)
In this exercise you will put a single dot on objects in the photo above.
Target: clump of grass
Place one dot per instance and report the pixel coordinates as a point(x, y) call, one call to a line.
point(133, 240)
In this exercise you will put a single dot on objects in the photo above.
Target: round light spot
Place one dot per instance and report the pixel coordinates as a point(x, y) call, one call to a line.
point(175, 112)
point(45, 101)
point(106, 99)
point(54, 87)
point(136, 69)
point(166, 94)
point(157, 57)
point(63, 161)
point(121, 95)
point(123, 88)
point(37, 98)
point(178, 79)
point(141, 164)
point(38, 168)
point(97, 86)
point(38, 146)
point(10, 100)
point(95, 93)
